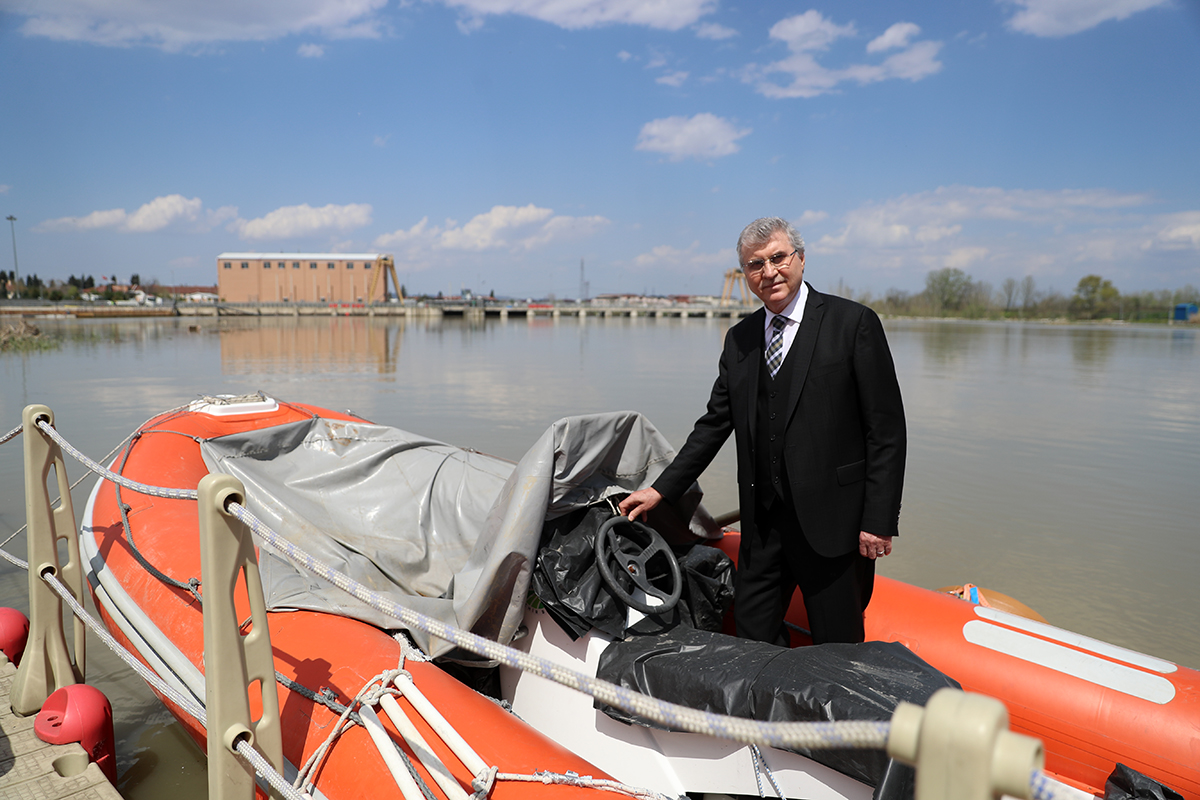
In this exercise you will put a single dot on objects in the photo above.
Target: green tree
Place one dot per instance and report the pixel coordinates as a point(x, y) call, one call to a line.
point(947, 289)
point(1095, 298)
point(1009, 288)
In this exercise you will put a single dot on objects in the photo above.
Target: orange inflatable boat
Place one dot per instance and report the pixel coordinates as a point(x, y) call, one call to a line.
point(1092, 704)
point(318, 652)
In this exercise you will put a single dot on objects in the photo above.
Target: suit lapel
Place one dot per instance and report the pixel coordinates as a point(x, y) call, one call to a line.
point(750, 359)
point(803, 346)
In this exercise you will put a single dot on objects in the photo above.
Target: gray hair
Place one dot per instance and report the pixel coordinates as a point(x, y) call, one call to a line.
point(757, 233)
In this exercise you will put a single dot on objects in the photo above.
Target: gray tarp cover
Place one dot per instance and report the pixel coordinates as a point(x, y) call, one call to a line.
point(448, 532)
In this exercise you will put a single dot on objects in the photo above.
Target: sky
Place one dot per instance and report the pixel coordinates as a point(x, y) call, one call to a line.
point(537, 148)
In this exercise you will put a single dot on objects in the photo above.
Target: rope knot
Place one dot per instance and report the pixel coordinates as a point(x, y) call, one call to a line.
point(483, 783)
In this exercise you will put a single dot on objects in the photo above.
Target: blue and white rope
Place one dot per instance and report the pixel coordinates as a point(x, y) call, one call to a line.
point(812, 735)
point(11, 434)
point(143, 488)
point(186, 702)
point(580, 781)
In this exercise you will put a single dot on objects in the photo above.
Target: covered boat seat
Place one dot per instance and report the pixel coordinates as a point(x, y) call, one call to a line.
point(726, 675)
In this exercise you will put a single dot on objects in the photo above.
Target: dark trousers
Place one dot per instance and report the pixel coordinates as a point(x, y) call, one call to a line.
point(836, 590)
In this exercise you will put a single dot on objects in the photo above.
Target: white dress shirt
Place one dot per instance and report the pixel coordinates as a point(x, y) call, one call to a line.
point(793, 312)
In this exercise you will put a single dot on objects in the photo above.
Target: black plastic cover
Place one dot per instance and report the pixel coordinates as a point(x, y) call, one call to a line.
point(1129, 784)
point(725, 675)
point(569, 586)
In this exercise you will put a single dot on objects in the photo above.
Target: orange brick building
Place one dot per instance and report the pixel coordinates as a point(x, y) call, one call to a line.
point(302, 277)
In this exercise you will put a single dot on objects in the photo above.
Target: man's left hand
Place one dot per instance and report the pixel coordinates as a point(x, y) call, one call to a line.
point(872, 546)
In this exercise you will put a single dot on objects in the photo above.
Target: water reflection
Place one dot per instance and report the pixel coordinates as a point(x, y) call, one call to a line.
point(290, 345)
point(948, 343)
point(1183, 342)
point(1053, 463)
point(1092, 348)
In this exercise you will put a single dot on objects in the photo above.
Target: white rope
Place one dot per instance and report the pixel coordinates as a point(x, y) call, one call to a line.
point(155, 491)
point(581, 781)
point(25, 564)
point(184, 701)
point(788, 735)
point(811, 735)
point(11, 434)
point(263, 769)
point(760, 767)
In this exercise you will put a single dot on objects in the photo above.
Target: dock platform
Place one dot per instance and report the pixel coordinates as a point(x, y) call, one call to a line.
point(30, 769)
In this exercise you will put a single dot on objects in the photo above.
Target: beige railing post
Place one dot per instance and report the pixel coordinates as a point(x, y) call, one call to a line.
point(47, 665)
point(962, 748)
point(234, 662)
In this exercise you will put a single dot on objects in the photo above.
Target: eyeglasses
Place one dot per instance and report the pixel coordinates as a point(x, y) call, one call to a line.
point(756, 265)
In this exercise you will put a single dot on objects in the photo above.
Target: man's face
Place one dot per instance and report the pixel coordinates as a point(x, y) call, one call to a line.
point(774, 285)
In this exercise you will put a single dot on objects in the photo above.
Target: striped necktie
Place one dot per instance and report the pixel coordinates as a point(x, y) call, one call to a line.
point(775, 347)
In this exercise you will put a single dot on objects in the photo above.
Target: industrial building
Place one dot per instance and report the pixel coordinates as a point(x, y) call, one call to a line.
point(304, 277)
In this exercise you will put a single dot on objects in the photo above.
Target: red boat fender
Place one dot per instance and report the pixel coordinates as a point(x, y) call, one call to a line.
point(80, 713)
point(14, 632)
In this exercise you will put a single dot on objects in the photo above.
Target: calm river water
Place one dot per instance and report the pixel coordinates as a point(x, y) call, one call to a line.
point(1057, 464)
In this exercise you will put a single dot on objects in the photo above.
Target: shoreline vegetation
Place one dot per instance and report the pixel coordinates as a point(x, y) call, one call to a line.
point(24, 336)
point(952, 293)
point(948, 294)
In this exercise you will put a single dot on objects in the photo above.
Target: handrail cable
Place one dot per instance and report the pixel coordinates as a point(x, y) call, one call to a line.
point(786, 735)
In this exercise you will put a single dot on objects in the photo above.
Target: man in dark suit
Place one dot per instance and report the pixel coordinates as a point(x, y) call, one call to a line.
point(808, 388)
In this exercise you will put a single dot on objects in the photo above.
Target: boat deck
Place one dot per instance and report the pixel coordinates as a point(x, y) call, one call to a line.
point(30, 768)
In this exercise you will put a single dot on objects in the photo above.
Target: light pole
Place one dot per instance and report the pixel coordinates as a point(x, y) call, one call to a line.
point(12, 226)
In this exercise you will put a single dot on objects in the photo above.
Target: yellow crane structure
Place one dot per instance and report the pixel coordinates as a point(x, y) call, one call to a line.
point(384, 266)
point(735, 278)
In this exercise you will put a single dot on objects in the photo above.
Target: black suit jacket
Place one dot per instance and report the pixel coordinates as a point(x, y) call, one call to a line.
point(845, 440)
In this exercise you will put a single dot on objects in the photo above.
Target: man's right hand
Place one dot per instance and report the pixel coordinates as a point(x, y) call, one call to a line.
point(640, 502)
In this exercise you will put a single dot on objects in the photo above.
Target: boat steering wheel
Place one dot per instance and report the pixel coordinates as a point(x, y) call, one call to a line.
point(628, 554)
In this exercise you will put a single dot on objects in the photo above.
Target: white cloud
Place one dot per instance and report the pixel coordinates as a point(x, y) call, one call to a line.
point(624, 55)
point(310, 50)
point(809, 34)
point(711, 30)
point(675, 79)
point(811, 218)
point(159, 213)
point(964, 257)
point(667, 257)
point(162, 211)
point(899, 35)
point(1065, 17)
point(97, 219)
point(193, 24)
point(514, 228)
point(670, 15)
point(1176, 232)
point(303, 220)
point(995, 233)
point(809, 31)
point(486, 231)
point(931, 217)
point(704, 136)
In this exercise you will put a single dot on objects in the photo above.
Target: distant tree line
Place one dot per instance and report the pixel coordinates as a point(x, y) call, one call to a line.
point(953, 293)
point(31, 287)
